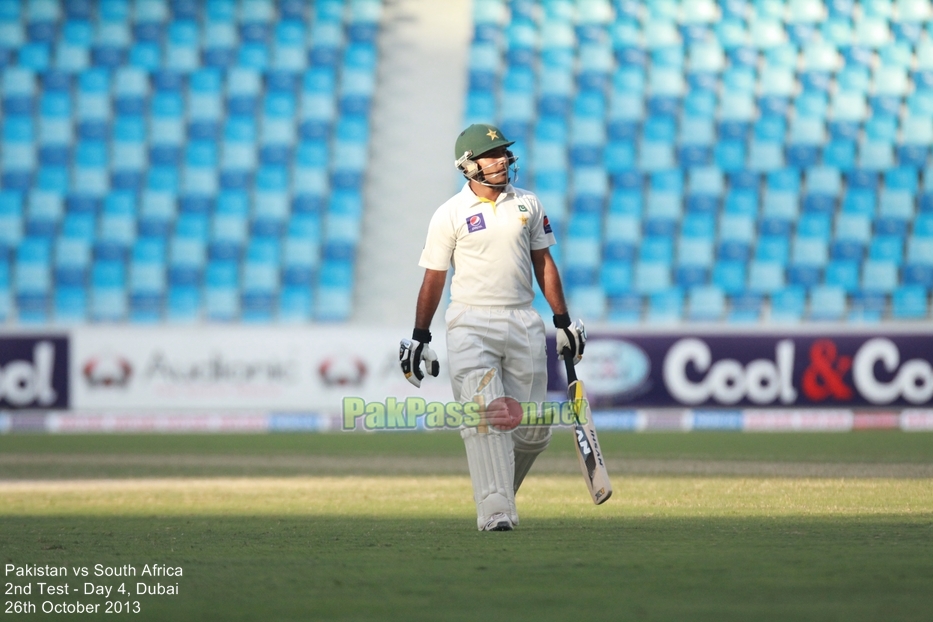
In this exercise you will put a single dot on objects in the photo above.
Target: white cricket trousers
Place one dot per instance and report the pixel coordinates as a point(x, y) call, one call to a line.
point(510, 340)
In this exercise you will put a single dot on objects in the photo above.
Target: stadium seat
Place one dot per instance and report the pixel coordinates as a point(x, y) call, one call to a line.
point(651, 276)
point(827, 302)
point(910, 302)
point(334, 291)
point(665, 306)
point(787, 305)
point(879, 275)
point(706, 303)
point(867, 307)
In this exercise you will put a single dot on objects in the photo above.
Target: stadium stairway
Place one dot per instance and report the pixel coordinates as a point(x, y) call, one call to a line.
point(416, 115)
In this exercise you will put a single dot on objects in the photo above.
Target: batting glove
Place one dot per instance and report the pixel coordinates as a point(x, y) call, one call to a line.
point(412, 351)
point(570, 336)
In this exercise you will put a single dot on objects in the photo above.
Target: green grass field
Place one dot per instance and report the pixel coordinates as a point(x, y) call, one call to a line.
point(702, 526)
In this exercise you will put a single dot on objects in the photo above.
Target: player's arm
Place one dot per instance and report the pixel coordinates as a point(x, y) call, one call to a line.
point(570, 335)
point(549, 280)
point(432, 288)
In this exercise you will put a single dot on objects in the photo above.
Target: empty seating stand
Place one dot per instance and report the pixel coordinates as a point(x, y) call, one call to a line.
point(182, 161)
point(740, 161)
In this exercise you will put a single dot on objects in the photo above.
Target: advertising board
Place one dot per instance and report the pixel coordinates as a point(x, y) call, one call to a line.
point(757, 370)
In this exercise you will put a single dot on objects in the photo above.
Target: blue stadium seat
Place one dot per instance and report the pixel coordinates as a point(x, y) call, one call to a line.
point(732, 33)
point(624, 309)
point(823, 181)
point(334, 294)
point(777, 81)
point(910, 302)
point(744, 308)
point(813, 104)
point(766, 275)
point(788, 304)
point(665, 306)
point(221, 290)
point(876, 154)
point(913, 10)
point(886, 248)
point(183, 301)
point(652, 276)
point(288, 46)
point(695, 246)
point(867, 306)
point(706, 303)
point(730, 155)
point(811, 251)
point(843, 273)
point(72, 258)
point(660, 33)
point(107, 291)
point(815, 224)
point(919, 249)
point(616, 277)
point(350, 147)
point(730, 276)
point(295, 299)
point(32, 269)
point(260, 286)
point(872, 32)
point(917, 133)
point(182, 48)
point(859, 201)
point(879, 275)
point(147, 283)
point(839, 154)
point(73, 51)
point(773, 247)
point(767, 33)
point(588, 301)
point(807, 134)
point(827, 302)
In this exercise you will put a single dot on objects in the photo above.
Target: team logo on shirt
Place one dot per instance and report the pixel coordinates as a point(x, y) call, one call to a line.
point(522, 208)
point(547, 225)
point(475, 223)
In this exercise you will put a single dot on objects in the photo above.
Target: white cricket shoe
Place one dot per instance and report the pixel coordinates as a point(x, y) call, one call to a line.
point(498, 522)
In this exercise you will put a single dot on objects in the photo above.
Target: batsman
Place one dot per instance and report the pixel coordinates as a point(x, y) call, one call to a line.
point(496, 237)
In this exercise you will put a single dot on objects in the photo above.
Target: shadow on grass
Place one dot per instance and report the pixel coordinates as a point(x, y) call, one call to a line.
point(338, 568)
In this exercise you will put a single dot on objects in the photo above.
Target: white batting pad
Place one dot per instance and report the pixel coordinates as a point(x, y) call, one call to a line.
point(528, 441)
point(492, 466)
point(482, 386)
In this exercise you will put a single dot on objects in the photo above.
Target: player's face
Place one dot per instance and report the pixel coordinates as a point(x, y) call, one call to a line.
point(495, 166)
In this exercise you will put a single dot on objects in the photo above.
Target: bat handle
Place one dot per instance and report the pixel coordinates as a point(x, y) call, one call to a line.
point(568, 364)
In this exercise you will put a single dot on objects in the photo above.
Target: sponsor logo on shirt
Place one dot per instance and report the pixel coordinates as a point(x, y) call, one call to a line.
point(547, 225)
point(475, 223)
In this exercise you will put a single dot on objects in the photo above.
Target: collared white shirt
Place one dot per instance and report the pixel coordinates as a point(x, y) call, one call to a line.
point(489, 245)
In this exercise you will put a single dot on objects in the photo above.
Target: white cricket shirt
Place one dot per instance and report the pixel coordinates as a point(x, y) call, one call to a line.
point(489, 245)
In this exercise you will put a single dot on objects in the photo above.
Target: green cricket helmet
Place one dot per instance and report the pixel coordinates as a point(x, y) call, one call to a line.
point(473, 142)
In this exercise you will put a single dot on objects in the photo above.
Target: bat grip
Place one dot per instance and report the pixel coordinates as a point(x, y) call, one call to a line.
point(568, 364)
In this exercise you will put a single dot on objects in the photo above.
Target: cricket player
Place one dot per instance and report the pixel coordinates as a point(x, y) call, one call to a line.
point(496, 237)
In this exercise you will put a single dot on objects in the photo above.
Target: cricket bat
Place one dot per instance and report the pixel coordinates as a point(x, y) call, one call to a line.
point(591, 457)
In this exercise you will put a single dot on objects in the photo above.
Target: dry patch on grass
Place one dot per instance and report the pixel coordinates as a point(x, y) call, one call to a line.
point(450, 496)
point(64, 466)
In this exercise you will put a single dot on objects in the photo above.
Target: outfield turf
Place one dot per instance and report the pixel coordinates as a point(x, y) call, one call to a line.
point(280, 536)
